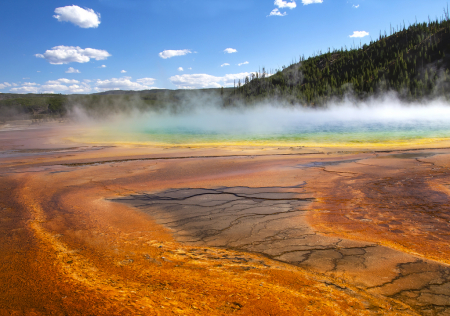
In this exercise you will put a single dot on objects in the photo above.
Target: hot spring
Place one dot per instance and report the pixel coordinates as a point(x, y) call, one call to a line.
point(374, 124)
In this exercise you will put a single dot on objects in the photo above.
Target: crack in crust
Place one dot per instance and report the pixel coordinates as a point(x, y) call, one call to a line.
point(272, 221)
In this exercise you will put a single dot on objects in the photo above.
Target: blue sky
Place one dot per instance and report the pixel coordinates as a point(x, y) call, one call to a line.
point(97, 45)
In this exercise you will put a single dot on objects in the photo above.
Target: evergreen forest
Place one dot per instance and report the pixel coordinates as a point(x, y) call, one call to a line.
point(413, 61)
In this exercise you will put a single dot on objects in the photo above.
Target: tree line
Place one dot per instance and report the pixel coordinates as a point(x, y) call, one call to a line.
point(412, 61)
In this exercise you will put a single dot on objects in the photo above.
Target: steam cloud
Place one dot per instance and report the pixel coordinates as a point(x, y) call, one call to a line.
point(204, 118)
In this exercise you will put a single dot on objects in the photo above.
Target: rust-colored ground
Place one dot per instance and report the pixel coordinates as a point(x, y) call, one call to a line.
point(398, 199)
point(306, 232)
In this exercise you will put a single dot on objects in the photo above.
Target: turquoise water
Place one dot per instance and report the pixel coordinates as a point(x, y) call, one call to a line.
point(336, 133)
point(341, 126)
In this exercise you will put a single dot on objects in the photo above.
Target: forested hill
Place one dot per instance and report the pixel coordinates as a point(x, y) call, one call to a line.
point(413, 61)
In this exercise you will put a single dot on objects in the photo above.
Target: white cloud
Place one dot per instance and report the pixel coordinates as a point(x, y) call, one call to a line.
point(102, 66)
point(306, 2)
point(244, 63)
point(53, 86)
point(276, 12)
point(359, 34)
point(356, 6)
point(285, 4)
point(172, 53)
point(62, 81)
point(25, 78)
point(4, 85)
point(225, 64)
point(180, 69)
point(72, 70)
point(146, 81)
point(124, 83)
point(190, 68)
point(27, 87)
point(38, 71)
point(197, 81)
point(24, 89)
point(62, 85)
point(84, 18)
point(123, 71)
point(59, 55)
point(57, 86)
point(82, 88)
point(230, 50)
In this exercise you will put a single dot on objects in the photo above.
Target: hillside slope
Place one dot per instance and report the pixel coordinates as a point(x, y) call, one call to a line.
point(413, 61)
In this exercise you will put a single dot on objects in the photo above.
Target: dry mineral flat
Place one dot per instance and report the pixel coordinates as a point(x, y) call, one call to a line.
point(104, 230)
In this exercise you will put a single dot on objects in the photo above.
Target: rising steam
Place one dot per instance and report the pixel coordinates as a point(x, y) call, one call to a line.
point(377, 120)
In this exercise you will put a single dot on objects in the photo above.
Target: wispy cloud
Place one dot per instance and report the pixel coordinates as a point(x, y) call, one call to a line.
point(291, 4)
point(62, 81)
point(84, 18)
point(225, 64)
point(123, 71)
point(24, 89)
point(4, 85)
point(124, 83)
point(180, 69)
point(356, 6)
point(59, 55)
point(276, 12)
point(285, 4)
point(230, 50)
point(172, 53)
point(102, 66)
point(196, 81)
point(306, 2)
point(53, 86)
point(359, 34)
point(244, 63)
point(72, 70)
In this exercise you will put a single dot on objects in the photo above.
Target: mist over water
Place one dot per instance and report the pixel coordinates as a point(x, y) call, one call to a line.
point(377, 122)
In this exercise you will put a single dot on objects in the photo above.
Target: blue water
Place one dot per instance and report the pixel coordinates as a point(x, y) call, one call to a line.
point(338, 126)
